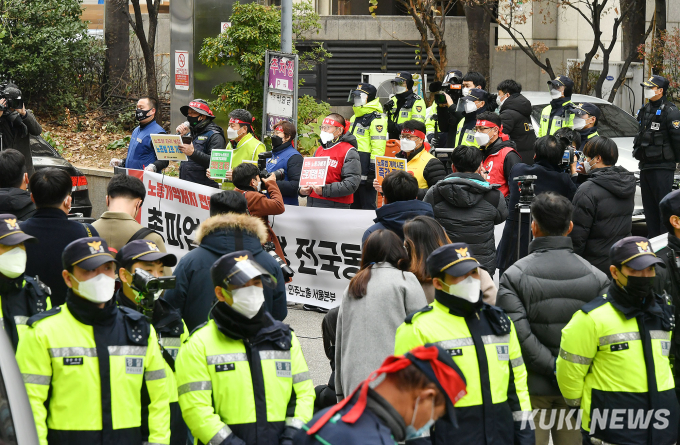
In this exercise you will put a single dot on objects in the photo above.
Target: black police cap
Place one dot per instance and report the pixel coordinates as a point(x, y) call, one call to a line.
point(237, 268)
point(635, 252)
point(10, 233)
point(86, 253)
point(586, 108)
point(144, 250)
point(656, 81)
point(453, 259)
point(367, 89)
point(561, 81)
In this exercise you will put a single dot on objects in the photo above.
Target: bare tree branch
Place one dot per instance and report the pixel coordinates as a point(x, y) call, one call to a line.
point(626, 64)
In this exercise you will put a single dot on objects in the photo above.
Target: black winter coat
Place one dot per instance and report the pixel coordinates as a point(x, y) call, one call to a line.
point(17, 202)
point(14, 133)
point(194, 168)
point(468, 208)
point(515, 115)
point(394, 215)
point(540, 293)
point(603, 214)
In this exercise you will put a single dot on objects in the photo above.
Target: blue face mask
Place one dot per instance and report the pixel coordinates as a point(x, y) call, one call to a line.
point(411, 432)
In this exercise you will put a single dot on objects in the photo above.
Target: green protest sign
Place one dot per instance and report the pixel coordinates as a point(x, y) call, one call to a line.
point(220, 163)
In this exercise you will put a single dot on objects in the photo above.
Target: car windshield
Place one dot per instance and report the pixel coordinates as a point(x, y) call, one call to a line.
point(39, 147)
point(613, 121)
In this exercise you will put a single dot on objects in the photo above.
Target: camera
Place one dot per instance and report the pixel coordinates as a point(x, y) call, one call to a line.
point(12, 94)
point(262, 159)
point(285, 268)
point(148, 286)
point(452, 87)
point(526, 188)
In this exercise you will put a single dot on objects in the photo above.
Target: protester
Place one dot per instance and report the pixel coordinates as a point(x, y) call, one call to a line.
point(373, 306)
point(540, 293)
point(22, 296)
point(399, 190)
point(549, 178)
point(242, 377)
point(246, 178)
point(87, 363)
point(585, 121)
point(614, 355)
point(603, 206)
point(468, 207)
point(229, 226)
point(242, 140)
point(344, 172)
point(141, 154)
point(515, 113)
point(473, 79)
point(285, 156)
point(418, 388)
point(483, 341)
point(404, 106)
point(14, 196)
point(206, 136)
point(51, 192)
point(422, 236)
point(558, 113)
point(17, 125)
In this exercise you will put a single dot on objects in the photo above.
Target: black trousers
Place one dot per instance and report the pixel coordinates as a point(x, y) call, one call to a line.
point(654, 185)
point(364, 197)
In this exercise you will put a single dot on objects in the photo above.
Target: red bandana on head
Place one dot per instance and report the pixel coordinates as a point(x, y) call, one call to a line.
point(202, 107)
point(333, 122)
point(238, 121)
point(503, 137)
point(415, 133)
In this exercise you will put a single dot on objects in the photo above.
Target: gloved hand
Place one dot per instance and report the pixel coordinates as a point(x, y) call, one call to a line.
point(288, 435)
point(388, 106)
point(150, 168)
point(115, 162)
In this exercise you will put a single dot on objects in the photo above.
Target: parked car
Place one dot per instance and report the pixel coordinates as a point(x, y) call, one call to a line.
point(44, 155)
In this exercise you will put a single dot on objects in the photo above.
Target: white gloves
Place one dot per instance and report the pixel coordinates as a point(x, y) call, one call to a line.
point(115, 162)
point(150, 168)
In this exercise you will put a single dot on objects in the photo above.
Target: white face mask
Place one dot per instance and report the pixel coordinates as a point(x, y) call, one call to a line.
point(13, 262)
point(407, 145)
point(579, 123)
point(411, 432)
point(470, 107)
point(326, 137)
point(400, 89)
point(466, 91)
point(555, 94)
point(97, 290)
point(649, 93)
point(468, 289)
point(360, 100)
point(482, 139)
point(587, 166)
point(499, 101)
point(231, 133)
point(247, 300)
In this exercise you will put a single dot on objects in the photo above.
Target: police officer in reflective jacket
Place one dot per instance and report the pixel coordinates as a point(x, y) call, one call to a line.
point(483, 343)
point(657, 147)
point(87, 364)
point(404, 106)
point(558, 113)
point(242, 378)
point(369, 126)
point(614, 356)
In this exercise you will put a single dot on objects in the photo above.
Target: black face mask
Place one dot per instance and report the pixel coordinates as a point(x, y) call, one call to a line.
point(140, 115)
point(276, 141)
point(638, 289)
point(193, 120)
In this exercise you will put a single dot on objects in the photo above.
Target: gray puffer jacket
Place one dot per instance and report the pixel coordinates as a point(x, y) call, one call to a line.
point(468, 208)
point(540, 293)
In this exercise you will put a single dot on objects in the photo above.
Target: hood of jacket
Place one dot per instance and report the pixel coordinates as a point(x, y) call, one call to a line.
point(518, 103)
point(616, 180)
point(395, 214)
point(497, 145)
point(13, 199)
point(217, 233)
point(369, 108)
point(347, 137)
point(463, 189)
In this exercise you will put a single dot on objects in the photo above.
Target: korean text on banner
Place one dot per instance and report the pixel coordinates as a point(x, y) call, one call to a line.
point(384, 165)
point(220, 163)
point(314, 171)
point(323, 247)
point(167, 147)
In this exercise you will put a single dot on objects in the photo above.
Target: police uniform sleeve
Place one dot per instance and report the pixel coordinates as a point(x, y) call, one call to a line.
point(159, 395)
point(36, 369)
point(673, 126)
point(431, 119)
point(301, 407)
point(378, 137)
point(518, 393)
point(194, 388)
point(407, 337)
point(577, 351)
point(419, 110)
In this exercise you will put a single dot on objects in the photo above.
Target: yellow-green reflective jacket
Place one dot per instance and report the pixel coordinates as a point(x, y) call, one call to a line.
point(369, 125)
point(414, 108)
point(23, 297)
point(549, 125)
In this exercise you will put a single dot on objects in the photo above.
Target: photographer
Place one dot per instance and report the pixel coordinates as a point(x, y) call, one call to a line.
point(16, 124)
point(442, 115)
point(286, 157)
point(248, 181)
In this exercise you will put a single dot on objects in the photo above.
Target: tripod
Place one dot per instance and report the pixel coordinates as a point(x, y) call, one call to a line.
point(526, 196)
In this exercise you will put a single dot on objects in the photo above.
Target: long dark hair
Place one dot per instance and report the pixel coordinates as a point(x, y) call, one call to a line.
point(422, 235)
point(381, 246)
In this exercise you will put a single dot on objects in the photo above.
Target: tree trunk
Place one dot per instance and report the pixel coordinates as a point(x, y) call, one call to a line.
point(148, 46)
point(478, 39)
point(117, 40)
point(633, 26)
point(660, 6)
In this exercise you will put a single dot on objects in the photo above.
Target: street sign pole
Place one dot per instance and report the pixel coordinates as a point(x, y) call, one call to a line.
point(280, 90)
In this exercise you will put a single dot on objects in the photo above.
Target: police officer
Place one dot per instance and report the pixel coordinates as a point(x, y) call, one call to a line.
point(472, 105)
point(206, 137)
point(20, 296)
point(141, 154)
point(585, 121)
point(628, 328)
point(418, 388)
point(558, 114)
point(87, 363)
point(441, 117)
point(404, 106)
point(166, 320)
point(657, 147)
point(483, 342)
point(242, 376)
point(369, 126)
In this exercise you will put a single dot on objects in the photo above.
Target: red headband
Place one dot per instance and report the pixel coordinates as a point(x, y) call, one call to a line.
point(279, 128)
point(237, 121)
point(202, 107)
point(417, 133)
point(448, 378)
point(503, 137)
point(329, 121)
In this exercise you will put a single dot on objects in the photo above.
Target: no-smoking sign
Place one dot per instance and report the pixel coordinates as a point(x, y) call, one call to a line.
point(181, 70)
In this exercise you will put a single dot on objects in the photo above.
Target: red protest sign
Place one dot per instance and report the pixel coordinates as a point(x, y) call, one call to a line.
point(314, 171)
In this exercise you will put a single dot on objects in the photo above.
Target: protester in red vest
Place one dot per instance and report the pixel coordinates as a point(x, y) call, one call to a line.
point(500, 153)
point(344, 171)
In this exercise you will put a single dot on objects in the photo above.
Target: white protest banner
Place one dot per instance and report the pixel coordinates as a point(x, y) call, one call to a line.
point(323, 247)
point(167, 147)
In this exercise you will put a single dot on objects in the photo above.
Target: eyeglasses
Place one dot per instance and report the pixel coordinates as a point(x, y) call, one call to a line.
point(328, 128)
point(483, 129)
point(410, 137)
